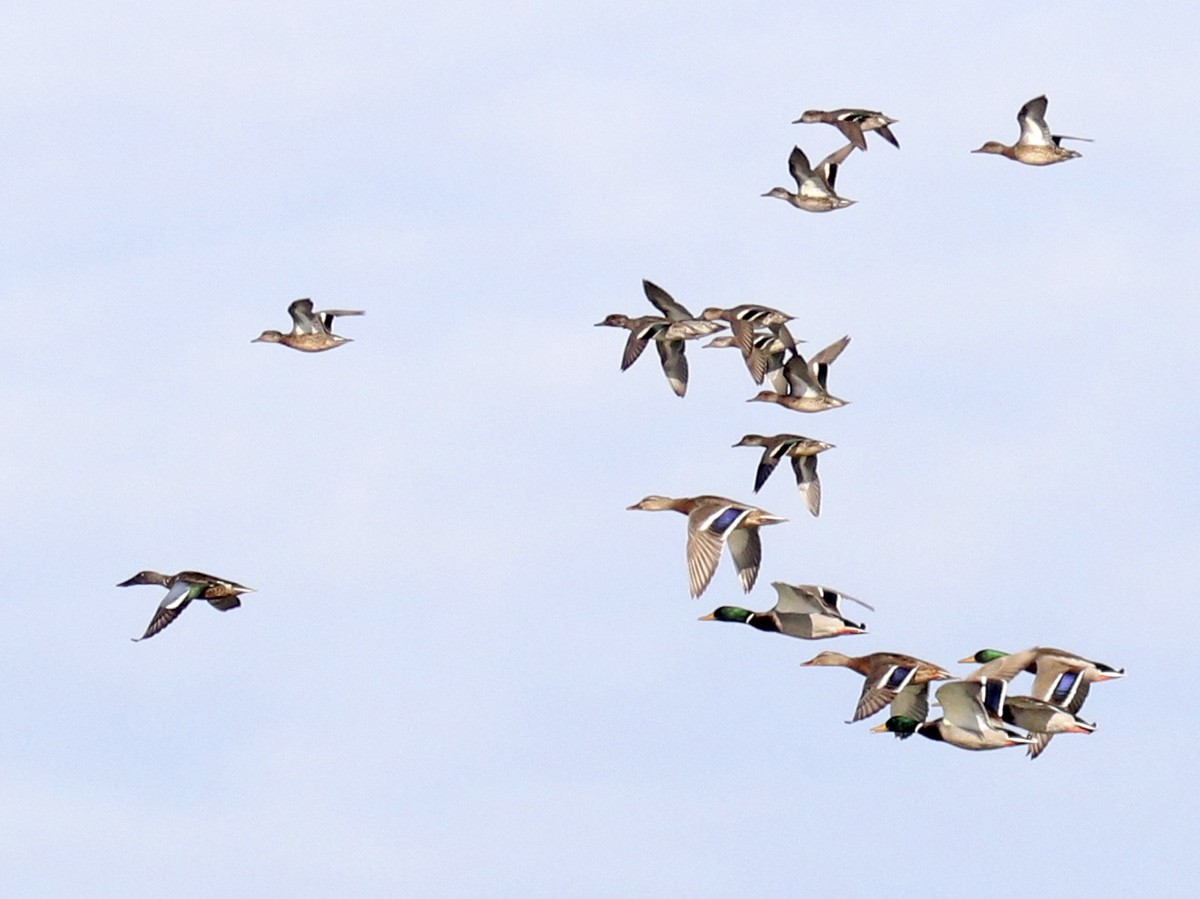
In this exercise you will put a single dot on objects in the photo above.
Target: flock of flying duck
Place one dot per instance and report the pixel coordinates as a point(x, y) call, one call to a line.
point(312, 332)
point(977, 710)
point(815, 184)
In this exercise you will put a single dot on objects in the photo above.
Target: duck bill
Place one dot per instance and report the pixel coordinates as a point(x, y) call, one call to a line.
point(134, 581)
point(879, 729)
point(708, 617)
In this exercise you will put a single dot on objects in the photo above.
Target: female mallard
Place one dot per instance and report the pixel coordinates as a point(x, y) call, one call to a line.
point(803, 453)
point(969, 719)
point(814, 187)
point(713, 522)
point(887, 675)
point(806, 611)
point(807, 391)
point(1036, 145)
point(312, 332)
point(182, 588)
point(852, 123)
point(1059, 677)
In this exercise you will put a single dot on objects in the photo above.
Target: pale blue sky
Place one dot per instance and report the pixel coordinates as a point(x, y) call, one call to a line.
point(467, 669)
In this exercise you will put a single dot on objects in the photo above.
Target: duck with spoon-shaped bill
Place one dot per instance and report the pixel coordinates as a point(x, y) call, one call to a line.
point(182, 588)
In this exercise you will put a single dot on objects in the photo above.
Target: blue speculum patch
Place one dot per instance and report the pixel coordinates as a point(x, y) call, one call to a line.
point(994, 690)
point(1065, 684)
point(898, 676)
point(724, 520)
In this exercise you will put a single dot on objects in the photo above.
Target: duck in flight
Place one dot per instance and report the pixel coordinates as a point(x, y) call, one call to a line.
point(182, 588)
point(814, 185)
point(668, 331)
point(1036, 145)
point(312, 332)
point(853, 123)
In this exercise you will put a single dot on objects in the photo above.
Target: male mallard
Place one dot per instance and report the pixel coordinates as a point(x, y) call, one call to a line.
point(802, 610)
point(968, 718)
point(1036, 145)
point(714, 521)
point(803, 453)
point(182, 588)
point(1060, 677)
point(814, 187)
point(852, 123)
point(1042, 720)
point(807, 391)
point(887, 675)
point(311, 331)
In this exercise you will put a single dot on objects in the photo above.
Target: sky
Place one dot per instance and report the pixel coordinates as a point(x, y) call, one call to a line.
point(467, 669)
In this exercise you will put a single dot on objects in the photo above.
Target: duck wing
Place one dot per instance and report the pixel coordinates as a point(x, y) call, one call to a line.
point(746, 549)
point(708, 525)
point(798, 599)
point(168, 610)
point(885, 132)
point(303, 319)
point(962, 704)
point(805, 468)
point(851, 128)
point(912, 702)
point(818, 365)
point(674, 364)
point(326, 317)
point(799, 379)
point(665, 303)
point(1032, 119)
point(770, 458)
point(883, 682)
point(639, 336)
point(800, 168)
point(1061, 684)
point(827, 168)
point(209, 580)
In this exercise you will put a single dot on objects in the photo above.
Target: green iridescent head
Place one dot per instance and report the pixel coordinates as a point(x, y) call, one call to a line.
point(728, 613)
point(984, 656)
point(900, 725)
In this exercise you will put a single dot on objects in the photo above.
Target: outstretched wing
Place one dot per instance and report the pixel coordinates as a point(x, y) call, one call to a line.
point(665, 303)
point(1032, 119)
point(674, 364)
point(806, 478)
point(746, 549)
